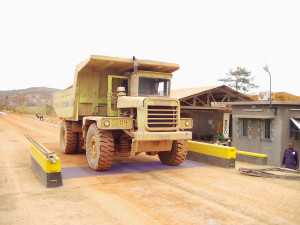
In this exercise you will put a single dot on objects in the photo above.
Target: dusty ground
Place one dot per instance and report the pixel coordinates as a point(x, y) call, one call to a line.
point(202, 195)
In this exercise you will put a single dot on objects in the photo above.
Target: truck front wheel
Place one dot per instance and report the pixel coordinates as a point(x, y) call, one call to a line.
point(99, 148)
point(68, 139)
point(177, 155)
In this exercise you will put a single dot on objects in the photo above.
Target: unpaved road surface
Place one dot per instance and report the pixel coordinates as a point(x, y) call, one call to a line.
point(200, 195)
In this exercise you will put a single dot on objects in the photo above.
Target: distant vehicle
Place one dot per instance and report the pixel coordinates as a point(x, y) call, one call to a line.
point(122, 107)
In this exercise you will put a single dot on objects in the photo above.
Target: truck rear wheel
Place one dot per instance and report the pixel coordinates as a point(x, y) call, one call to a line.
point(80, 149)
point(99, 148)
point(68, 139)
point(177, 155)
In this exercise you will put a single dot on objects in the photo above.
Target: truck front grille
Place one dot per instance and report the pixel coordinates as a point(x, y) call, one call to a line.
point(161, 118)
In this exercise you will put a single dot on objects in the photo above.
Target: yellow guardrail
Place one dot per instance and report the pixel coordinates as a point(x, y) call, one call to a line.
point(45, 164)
point(50, 166)
point(251, 153)
point(213, 150)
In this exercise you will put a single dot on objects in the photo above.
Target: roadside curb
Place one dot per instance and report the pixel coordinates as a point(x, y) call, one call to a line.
point(216, 155)
point(251, 157)
point(45, 164)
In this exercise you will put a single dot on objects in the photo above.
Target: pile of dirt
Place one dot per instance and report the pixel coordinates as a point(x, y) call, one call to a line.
point(281, 96)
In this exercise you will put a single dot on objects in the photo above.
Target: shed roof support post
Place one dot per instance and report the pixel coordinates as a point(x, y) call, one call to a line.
point(208, 99)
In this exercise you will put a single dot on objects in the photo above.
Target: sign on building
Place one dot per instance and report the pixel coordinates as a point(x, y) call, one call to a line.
point(218, 104)
point(226, 119)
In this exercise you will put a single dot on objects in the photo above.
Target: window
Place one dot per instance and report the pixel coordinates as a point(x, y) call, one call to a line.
point(295, 129)
point(297, 136)
point(265, 129)
point(244, 127)
point(153, 87)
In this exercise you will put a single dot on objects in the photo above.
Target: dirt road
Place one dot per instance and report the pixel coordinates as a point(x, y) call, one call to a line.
point(199, 195)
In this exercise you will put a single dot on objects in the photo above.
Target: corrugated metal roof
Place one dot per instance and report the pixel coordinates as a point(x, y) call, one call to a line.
point(254, 116)
point(185, 93)
point(264, 103)
point(182, 93)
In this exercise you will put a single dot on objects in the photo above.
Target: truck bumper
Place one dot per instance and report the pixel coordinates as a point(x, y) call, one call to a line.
point(162, 136)
point(156, 141)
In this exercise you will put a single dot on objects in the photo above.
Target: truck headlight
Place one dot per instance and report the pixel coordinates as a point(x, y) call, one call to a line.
point(106, 123)
point(187, 123)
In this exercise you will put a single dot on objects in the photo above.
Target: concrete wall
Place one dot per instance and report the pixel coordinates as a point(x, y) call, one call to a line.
point(285, 114)
point(280, 131)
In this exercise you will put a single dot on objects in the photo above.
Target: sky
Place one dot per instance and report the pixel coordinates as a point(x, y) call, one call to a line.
point(42, 41)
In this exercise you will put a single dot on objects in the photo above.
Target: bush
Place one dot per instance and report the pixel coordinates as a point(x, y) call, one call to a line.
point(22, 109)
point(219, 136)
point(48, 109)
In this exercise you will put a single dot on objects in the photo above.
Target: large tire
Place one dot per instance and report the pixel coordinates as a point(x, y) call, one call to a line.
point(99, 148)
point(123, 146)
point(68, 139)
point(80, 143)
point(176, 156)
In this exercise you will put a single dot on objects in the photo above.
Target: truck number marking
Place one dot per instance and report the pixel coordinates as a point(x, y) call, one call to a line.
point(123, 122)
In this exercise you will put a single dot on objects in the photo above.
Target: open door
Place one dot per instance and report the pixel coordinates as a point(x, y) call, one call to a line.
point(113, 83)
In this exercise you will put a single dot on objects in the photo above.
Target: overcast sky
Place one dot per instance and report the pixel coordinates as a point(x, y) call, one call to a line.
point(42, 41)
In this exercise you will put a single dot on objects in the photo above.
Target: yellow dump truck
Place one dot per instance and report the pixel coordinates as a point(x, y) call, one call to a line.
point(121, 106)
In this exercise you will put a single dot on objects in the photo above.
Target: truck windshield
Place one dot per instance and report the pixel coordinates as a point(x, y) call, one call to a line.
point(153, 87)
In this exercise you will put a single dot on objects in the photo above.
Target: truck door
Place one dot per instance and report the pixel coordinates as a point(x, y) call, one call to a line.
point(113, 83)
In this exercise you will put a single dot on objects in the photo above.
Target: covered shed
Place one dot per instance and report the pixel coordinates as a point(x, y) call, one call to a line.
point(208, 108)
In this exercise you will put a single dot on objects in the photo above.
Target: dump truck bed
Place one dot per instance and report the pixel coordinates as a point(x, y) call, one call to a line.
point(121, 65)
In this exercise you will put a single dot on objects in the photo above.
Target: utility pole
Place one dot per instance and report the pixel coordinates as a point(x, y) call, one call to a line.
point(266, 68)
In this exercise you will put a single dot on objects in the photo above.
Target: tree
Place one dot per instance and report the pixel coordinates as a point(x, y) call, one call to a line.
point(48, 109)
point(240, 80)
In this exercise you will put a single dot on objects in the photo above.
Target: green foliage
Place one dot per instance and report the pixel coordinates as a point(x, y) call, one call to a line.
point(23, 109)
point(219, 136)
point(240, 80)
point(48, 109)
point(4, 104)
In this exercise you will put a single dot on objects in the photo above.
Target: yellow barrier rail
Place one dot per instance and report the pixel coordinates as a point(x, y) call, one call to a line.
point(45, 164)
point(251, 153)
point(213, 150)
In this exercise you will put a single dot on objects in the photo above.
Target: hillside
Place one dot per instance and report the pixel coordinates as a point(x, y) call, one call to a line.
point(281, 96)
point(35, 96)
point(33, 90)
